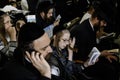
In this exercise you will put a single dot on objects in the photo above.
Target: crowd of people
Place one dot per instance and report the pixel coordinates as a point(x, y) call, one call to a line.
point(47, 50)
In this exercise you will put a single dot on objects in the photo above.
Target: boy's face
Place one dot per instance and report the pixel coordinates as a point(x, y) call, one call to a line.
point(64, 41)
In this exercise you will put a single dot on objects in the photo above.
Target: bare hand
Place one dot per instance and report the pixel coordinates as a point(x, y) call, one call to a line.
point(12, 33)
point(39, 63)
point(111, 57)
point(56, 23)
point(70, 49)
point(71, 45)
point(105, 53)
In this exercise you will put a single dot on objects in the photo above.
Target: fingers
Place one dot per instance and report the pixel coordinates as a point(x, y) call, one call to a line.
point(110, 58)
point(39, 62)
point(72, 42)
point(34, 57)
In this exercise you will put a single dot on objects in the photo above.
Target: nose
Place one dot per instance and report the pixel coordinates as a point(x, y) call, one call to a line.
point(49, 49)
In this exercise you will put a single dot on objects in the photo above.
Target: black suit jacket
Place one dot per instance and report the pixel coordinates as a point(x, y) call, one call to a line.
point(15, 70)
point(85, 39)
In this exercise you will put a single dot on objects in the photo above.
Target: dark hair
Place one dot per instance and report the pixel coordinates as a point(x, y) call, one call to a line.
point(99, 14)
point(44, 6)
point(2, 28)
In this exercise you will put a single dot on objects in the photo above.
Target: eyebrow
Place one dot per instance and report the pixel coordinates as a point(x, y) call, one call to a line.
point(45, 47)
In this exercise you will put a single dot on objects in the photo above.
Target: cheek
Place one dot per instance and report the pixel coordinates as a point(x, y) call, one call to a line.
point(6, 26)
point(61, 44)
point(44, 53)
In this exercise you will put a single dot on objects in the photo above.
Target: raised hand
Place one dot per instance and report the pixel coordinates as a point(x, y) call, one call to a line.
point(39, 62)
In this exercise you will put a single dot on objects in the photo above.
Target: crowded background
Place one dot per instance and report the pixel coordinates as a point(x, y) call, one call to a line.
point(73, 29)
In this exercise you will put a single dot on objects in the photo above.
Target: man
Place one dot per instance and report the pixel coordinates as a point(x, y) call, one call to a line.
point(44, 17)
point(85, 35)
point(30, 56)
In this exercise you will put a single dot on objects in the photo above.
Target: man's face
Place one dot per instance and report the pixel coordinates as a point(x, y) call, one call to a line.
point(96, 24)
point(50, 13)
point(49, 16)
point(42, 46)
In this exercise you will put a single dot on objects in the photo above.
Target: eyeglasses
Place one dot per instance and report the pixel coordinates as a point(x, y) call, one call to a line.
point(65, 40)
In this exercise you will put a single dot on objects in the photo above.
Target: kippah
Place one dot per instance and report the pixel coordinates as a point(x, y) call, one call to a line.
point(29, 32)
point(1, 13)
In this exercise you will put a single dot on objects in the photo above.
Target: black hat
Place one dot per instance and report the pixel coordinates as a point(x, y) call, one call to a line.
point(101, 15)
point(1, 13)
point(44, 6)
point(29, 32)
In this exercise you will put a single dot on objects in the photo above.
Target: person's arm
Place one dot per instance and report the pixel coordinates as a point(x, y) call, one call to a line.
point(49, 30)
point(56, 23)
point(9, 49)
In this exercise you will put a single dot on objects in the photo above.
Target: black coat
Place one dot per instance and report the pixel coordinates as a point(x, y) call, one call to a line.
point(85, 39)
point(20, 71)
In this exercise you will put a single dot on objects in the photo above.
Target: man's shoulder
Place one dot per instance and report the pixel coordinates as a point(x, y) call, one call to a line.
point(14, 68)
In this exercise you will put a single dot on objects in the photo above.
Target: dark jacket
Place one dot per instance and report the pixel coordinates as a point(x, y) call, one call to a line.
point(85, 40)
point(15, 70)
point(68, 69)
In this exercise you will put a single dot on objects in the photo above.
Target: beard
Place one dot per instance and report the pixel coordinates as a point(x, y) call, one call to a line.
point(49, 20)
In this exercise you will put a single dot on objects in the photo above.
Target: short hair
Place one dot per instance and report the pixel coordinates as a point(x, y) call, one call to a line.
point(44, 6)
point(100, 15)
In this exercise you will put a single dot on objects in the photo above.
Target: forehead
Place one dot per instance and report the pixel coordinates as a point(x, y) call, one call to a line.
point(65, 35)
point(42, 41)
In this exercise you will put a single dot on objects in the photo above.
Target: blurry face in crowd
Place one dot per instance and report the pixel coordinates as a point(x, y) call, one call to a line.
point(49, 16)
point(64, 41)
point(7, 22)
point(42, 45)
point(97, 22)
point(50, 13)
